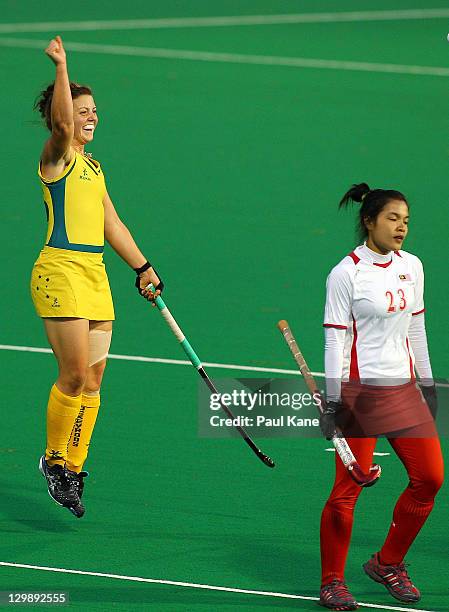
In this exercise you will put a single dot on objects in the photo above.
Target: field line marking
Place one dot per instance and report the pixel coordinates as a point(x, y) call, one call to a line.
point(224, 366)
point(232, 58)
point(224, 21)
point(192, 585)
point(208, 364)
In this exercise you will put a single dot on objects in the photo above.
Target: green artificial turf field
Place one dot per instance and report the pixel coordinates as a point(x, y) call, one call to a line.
point(228, 172)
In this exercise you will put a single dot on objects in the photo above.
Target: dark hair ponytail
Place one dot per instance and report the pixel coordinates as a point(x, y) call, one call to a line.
point(373, 202)
point(43, 100)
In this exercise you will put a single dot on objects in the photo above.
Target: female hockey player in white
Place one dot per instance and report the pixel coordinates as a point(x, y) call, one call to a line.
point(375, 339)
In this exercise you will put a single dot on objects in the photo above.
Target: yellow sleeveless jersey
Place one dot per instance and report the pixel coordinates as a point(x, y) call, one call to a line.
point(74, 206)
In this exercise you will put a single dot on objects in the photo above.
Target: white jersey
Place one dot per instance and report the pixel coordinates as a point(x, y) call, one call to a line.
point(373, 297)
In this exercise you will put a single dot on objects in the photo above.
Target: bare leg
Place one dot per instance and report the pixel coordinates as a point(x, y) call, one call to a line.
point(69, 339)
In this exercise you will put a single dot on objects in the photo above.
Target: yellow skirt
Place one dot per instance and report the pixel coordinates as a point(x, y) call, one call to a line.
point(71, 284)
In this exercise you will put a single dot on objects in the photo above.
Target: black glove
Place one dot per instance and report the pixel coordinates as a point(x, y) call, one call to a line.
point(327, 419)
point(143, 268)
point(430, 395)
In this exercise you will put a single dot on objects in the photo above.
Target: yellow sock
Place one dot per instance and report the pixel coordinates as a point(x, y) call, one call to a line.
point(82, 432)
point(61, 414)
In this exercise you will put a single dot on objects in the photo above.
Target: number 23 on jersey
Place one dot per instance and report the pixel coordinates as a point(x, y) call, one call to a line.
point(395, 302)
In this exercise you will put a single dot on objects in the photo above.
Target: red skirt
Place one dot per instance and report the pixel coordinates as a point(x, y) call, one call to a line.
point(371, 410)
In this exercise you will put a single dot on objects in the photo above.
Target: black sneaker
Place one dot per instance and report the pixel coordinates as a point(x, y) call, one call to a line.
point(78, 479)
point(61, 488)
point(335, 595)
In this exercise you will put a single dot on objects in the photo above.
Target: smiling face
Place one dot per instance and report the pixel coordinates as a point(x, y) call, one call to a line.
point(85, 119)
point(389, 229)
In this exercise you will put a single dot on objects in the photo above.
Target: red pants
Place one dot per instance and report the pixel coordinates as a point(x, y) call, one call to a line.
point(423, 461)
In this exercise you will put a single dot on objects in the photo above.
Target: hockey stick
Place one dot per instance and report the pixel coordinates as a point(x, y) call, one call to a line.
point(340, 444)
point(195, 360)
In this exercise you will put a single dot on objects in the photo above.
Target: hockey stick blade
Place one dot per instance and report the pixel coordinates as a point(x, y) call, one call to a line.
point(264, 458)
point(362, 479)
point(355, 471)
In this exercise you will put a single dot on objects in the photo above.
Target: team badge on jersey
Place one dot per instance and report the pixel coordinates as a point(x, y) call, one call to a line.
point(405, 277)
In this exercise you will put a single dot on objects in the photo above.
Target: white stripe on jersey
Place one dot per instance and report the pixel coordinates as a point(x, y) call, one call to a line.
point(373, 297)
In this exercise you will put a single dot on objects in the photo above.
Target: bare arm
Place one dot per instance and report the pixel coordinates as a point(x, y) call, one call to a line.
point(57, 151)
point(119, 236)
point(121, 240)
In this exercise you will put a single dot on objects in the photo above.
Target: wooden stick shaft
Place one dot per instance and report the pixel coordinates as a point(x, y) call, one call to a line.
point(299, 358)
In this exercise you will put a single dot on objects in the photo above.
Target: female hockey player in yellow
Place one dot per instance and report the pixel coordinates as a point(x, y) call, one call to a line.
point(69, 285)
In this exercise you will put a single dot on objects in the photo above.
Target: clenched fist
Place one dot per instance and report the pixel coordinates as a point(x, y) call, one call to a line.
point(55, 51)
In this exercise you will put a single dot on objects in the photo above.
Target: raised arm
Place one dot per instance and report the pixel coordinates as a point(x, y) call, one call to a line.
point(57, 151)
